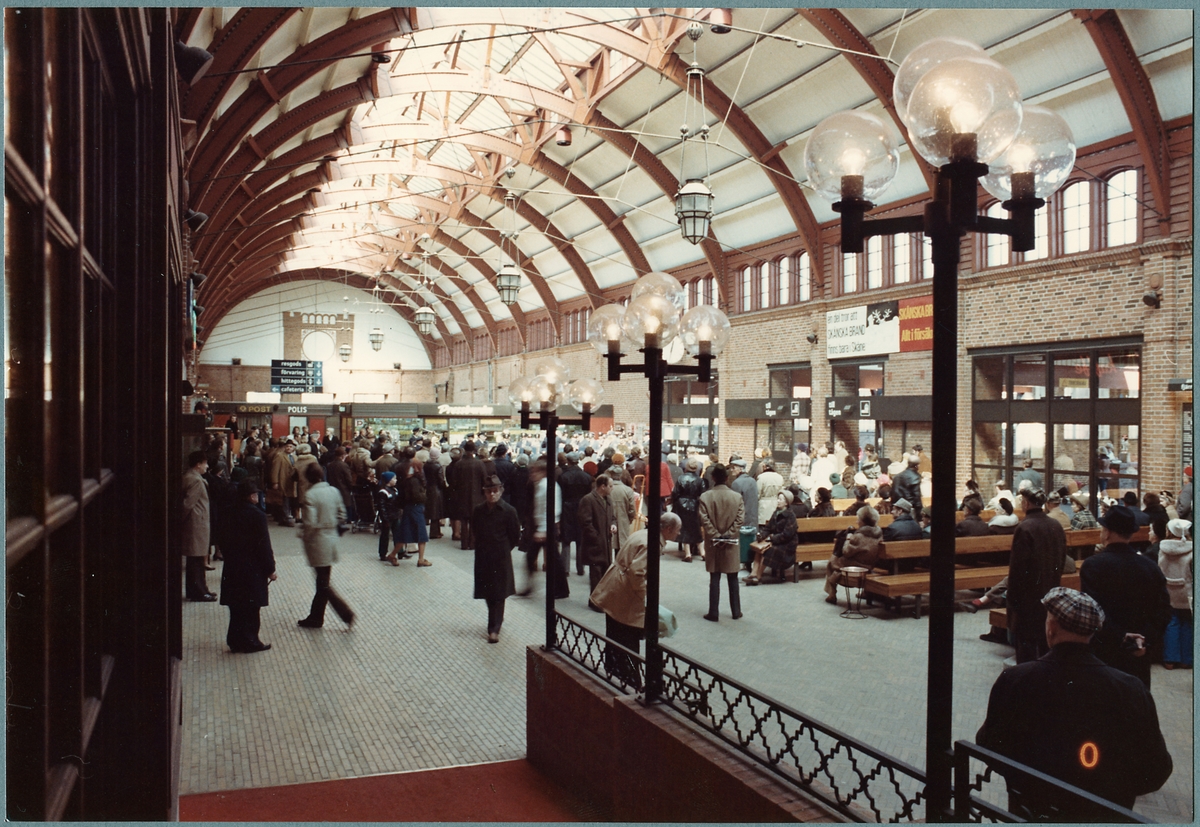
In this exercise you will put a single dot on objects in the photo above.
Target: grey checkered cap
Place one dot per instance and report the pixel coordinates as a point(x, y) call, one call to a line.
point(1076, 612)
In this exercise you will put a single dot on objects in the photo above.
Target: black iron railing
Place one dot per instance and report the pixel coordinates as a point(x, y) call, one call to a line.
point(1033, 796)
point(861, 782)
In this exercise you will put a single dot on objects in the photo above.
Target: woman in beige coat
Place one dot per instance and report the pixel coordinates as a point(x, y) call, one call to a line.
point(621, 595)
point(722, 511)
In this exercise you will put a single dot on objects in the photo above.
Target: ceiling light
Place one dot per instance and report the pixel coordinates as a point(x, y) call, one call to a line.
point(508, 283)
point(425, 318)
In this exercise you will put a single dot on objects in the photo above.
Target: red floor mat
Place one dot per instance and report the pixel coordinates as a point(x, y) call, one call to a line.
point(503, 791)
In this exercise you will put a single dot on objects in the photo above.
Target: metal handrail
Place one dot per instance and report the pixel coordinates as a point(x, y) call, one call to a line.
point(857, 780)
point(975, 808)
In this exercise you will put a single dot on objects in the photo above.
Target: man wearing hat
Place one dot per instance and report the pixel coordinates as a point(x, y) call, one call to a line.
point(1133, 593)
point(1034, 568)
point(1110, 745)
point(907, 485)
point(497, 530)
point(741, 482)
point(1081, 516)
point(903, 526)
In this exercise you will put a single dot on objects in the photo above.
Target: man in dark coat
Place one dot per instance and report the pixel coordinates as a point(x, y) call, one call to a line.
point(504, 469)
point(972, 525)
point(575, 485)
point(1133, 593)
point(339, 475)
point(469, 475)
point(597, 531)
point(1034, 568)
point(497, 529)
point(907, 486)
point(903, 526)
point(1109, 744)
point(249, 568)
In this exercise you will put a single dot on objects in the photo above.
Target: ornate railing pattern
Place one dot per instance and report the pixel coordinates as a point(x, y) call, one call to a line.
point(853, 778)
point(975, 802)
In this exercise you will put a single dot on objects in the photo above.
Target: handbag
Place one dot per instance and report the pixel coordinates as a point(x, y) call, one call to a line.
point(667, 624)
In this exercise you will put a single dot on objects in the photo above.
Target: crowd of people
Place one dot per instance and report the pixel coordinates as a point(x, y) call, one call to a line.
point(1135, 599)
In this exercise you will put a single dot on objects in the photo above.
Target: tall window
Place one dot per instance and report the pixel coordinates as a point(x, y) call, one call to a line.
point(1076, 212)
point(1121, 195)
point(997, 244)
point(747, 290)
point(901, 259)
point(926, 258)
point(709, 294)
point(874, 262)
point(1041, 235)
point(764, 286)
point(849, 272)
point(785, 279)
point(803, 278)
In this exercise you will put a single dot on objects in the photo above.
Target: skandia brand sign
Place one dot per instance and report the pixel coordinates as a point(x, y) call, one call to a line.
point(884, 327)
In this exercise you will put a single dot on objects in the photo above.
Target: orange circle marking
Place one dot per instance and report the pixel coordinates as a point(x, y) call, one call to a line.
point(1089, 755)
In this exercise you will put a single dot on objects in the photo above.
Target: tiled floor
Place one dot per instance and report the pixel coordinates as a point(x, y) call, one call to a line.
point(415, 685)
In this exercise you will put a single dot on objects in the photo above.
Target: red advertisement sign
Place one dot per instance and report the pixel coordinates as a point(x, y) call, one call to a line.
point(916, 324)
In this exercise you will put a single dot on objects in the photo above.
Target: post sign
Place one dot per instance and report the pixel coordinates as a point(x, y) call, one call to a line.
point(296, 376)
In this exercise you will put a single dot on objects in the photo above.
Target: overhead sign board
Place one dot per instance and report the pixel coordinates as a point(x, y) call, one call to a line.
point(296, 376)
point(884, 327)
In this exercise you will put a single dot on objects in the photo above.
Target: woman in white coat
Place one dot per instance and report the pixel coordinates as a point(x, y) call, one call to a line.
point(324, 511)
point(1175, 560)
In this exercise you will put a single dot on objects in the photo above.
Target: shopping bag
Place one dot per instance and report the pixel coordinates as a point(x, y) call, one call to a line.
point(667, 624)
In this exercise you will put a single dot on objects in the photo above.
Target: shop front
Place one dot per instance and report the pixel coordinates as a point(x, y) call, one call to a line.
point(280, 417)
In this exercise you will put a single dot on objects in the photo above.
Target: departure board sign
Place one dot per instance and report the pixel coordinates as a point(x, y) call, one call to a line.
point(296, 376)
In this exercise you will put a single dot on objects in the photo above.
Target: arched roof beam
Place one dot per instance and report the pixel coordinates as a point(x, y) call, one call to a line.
point(843, 34)
point(1137, 96)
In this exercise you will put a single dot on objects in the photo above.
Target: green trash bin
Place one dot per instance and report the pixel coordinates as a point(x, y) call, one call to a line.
point(746, 536)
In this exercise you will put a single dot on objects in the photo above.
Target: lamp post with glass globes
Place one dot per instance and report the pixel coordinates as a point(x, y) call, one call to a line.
point(653, 319)
point(964, 114)
point(545, 389)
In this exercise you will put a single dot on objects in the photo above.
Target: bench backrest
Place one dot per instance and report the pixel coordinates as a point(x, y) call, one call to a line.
point(1083, 538)
point(807, 525)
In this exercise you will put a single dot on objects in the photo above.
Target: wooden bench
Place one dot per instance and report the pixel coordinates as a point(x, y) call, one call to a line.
point(892, 587)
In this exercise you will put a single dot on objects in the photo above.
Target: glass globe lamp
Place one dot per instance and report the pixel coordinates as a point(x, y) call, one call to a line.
point(965, 109)
point(546, 393)
point(664, 284)
point(554, 369)
point(704, 331)
point(651, 320)
point(923, 58)
point(584, 394)
point(851, 155)
point(605, 333)
point(1037, 162)
point(520, 390)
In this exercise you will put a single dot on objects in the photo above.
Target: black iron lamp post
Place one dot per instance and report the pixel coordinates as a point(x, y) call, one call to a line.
point(964, 114)
point(545, 389)
point(651, 322)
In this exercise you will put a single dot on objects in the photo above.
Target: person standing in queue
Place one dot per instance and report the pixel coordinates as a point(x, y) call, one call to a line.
point(621, 595)
point(497, 530)
point(598, 531)
point(196, 527)
point(249, 569)
point(722, 512)
point(1110, 744)
point(1035, 567)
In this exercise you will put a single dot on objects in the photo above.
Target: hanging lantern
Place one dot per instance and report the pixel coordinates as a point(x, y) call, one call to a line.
point(344, 351)
point(376, 338)
point(694, 209)
point(563, 138)
point(508, 282)
point(425, 318)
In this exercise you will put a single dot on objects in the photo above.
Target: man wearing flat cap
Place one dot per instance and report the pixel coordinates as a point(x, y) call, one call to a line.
point(1133, 593)
point(903, 526)
point(1109, 743)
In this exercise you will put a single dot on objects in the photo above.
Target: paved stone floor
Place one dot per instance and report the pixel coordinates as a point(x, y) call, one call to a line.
point(415, 685)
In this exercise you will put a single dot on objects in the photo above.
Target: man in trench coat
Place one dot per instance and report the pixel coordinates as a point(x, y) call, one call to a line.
point(722, 512)
point(497, 530)
point(598, 531)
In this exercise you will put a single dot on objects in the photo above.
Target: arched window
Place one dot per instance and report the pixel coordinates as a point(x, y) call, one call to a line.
point(901, 258)
point(997, 244)
point(1076, 213)
point(926, 258)
point(785, 279)
point(1041, 235)
point(803, 278)
point(747, 290)
point(849, 272)
point(764, 286)
point(710, 291)
point(874, 262)
point(1121, 197)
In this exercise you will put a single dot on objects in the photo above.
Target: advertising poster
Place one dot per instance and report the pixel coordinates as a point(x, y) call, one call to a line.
point(916, 324)
point(865, 330)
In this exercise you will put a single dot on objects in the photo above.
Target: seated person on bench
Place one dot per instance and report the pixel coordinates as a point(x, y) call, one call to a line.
point(781, 530)
point(1005, 521)
point(860, 493)
point(971, 524)
point(854, 547)
point(903, 526)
